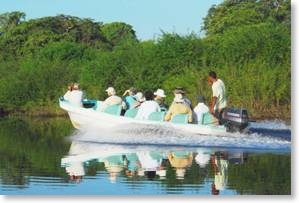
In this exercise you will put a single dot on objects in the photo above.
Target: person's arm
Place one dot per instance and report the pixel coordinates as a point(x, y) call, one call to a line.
point(66, 95)
point(214, 99)
point(136, 104)
point(168, 114)
point(189, 115)
point(125, 93)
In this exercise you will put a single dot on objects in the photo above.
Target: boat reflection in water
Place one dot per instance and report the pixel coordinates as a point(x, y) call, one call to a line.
point(151, 163)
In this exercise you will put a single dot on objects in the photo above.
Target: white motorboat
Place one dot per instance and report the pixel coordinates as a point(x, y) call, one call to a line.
point(84, 118)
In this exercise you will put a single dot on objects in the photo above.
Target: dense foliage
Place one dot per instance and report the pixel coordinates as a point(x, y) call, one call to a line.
point(247, 42)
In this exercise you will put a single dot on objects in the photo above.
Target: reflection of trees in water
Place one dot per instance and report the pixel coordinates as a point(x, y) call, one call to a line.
point(262, 174)
point(13, 169)
point(32, 147)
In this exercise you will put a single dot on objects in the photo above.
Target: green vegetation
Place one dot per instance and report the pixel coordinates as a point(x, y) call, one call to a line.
point(247, 42)
point(32, 147)
point(268, 170)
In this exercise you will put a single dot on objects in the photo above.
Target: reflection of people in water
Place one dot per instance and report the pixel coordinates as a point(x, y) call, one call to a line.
point(133, 165)
point(220, 166)
point(150, 164)
point(180, 160)
point(76, 171)
point(114, 165)
point(202, 158)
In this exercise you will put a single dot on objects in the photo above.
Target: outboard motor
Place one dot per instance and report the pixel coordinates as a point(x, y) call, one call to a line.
point(235, 120)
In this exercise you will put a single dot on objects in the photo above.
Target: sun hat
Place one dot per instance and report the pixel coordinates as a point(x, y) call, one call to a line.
point(139, 97)
point(202, 159)
point(178, 98)
point(140, 172)
point(161, 173)
point(179, 90)
point(180, 173)
point(111, 90)
point(75, 169)
point(160, 93)
point(75, 86)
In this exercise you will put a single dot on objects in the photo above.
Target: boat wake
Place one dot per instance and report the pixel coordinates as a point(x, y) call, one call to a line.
point(270, 124)
point(153, 135)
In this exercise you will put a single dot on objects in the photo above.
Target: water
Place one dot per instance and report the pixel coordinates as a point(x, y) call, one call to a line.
point(47, 156)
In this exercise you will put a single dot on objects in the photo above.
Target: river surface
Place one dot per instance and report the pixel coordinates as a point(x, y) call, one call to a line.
point(47, 156)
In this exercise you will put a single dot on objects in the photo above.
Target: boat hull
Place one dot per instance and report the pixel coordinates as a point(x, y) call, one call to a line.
point(85, 118)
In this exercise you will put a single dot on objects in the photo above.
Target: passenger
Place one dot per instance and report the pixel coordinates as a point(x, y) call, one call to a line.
point(218, 103)
point(74, 95)
point(139, 100)
point(147, 107)
point(130, 100)
point(114, 165)
point(180, 160)
point(133, 164)
point(219, 164)
point(151, 164)
point(180, 90)
point(113, 99)
point(178, 107)
point(201, 108)
point(75, 171)
point(160, 96)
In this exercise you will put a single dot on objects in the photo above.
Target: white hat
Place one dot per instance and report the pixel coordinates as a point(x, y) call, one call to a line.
point(75, 169)
point(113, 177)
point(178, 98)
point(160, 93)
point(202, 159)
point(180, 173)
point(111, 90)
point(139, 97)
point(140, 172)
point(76, 86)
point(161, 173)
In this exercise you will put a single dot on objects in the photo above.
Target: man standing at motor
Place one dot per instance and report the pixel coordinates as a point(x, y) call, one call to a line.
point(218, 103)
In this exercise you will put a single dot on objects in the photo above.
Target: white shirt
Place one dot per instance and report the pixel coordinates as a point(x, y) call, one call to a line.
point(74, 97)
point(219, 92)
point(200, 109)
point(221, 177)
point(147, 162)
point(112, 100)
point(146, 108)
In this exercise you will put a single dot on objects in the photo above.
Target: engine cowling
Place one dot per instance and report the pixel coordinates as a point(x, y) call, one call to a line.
point(235, 119)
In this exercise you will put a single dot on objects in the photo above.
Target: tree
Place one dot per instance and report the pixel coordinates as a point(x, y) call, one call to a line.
point(10, 20)
point(235, 13)
point(119, 32)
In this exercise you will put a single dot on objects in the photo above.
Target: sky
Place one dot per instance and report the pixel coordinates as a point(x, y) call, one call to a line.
point(148, 17)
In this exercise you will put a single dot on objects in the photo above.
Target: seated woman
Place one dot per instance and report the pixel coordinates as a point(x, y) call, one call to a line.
point(130, 100)
point(112, 99)
point(147, 107)
point(178, 107)
point(74, 96)
point(139, 100)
